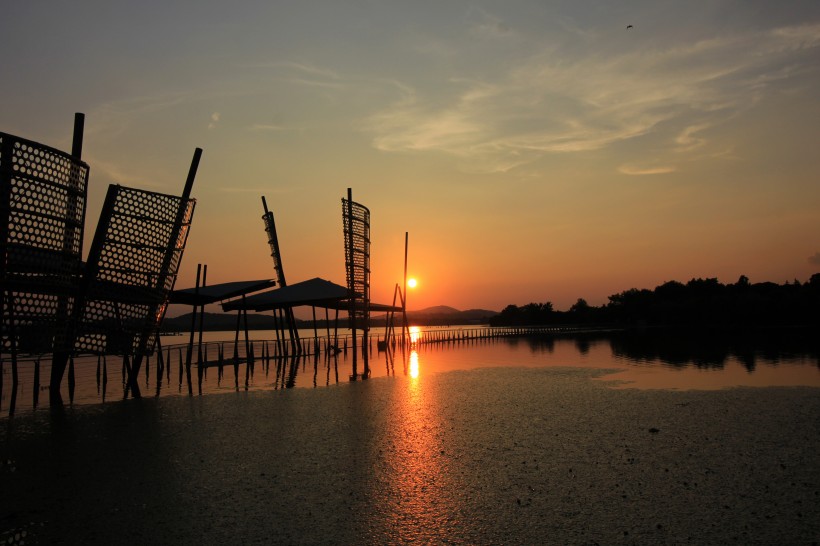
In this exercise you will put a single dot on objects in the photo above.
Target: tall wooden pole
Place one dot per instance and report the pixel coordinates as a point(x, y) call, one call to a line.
point(201, 315)
point(351, 272)
point(168, 259)
point(77, 141)
point(405, 327)
point(62, 354)
point(189, 353)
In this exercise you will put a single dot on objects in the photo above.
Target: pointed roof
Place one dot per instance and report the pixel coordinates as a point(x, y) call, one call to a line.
point(316, 291)
point(218, 292)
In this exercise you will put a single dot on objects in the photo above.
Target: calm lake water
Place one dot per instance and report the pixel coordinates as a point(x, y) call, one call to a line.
point(640, 360)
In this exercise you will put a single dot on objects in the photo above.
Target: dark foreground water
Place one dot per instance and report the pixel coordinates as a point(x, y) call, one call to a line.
point(623, 438)
point(538, 455)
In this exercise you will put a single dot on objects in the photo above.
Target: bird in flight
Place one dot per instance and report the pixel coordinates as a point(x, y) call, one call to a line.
point(628, 27)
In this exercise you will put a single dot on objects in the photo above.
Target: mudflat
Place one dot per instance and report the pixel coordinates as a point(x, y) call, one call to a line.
point(489, 456)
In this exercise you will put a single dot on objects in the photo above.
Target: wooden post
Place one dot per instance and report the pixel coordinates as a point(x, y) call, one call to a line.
point(71, 379)
point(202, 315)
point(405, 326)
point(77, 140)
point(36, 386)
point(236, 349)
point(279, 339)
point(351, 272)
point(327, 330)
point(247, 343)
point(189, 353)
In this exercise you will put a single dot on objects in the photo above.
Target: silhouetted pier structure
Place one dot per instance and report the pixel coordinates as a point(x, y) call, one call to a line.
point(42, 218)
point(326, 346)
point(356, 221)
point(285, 313)
point(56, 308)
point(458, 335)
point(279, 365)
point(52, 302)
point(320, 293)
point(201, 295)
point(266, 351)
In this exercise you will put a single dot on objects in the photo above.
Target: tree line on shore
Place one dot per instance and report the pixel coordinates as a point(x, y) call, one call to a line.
point(699, 302)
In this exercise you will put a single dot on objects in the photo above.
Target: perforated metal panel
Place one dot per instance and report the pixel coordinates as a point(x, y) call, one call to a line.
point(42, 211)
point(132, 267)
point(356, 220)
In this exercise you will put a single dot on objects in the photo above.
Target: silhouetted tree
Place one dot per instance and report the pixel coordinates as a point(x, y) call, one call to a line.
point(702, 302)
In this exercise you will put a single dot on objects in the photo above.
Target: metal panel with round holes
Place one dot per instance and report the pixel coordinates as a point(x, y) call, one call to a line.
point(132, 267)
point(42, 212)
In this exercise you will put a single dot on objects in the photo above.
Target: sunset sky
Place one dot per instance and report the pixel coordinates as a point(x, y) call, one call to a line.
point(534, 150)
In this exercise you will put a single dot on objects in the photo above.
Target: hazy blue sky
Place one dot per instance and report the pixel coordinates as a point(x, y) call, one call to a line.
point(534, 150)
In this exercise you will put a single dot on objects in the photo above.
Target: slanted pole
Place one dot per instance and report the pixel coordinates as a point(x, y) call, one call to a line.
point(169, 252)
point(77, 140)
point(59, 359)
point(295, 342)
point(287, 312)
point(280, 339)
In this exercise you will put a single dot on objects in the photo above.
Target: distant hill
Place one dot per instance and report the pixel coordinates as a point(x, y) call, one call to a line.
point(440, 315)
point(438, 310)
point(218, 322)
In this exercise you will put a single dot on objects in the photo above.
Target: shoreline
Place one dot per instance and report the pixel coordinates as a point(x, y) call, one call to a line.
point(645, 360)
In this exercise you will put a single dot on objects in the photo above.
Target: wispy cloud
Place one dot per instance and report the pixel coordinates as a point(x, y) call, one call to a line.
point(485, 24)
point(114, 118)
point(815, 259)
point(268, 127)
point(637, 170)
point(112, 173)
point(214, 120)
point(548, 104)
point(298, 73)
point(687, 139)
point(252, 189)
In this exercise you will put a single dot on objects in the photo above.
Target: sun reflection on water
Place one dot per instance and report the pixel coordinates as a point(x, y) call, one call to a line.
point(415, 334)
point(418, 505)
point(413, 369)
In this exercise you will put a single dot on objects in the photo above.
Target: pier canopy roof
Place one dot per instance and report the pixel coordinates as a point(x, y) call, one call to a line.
point(317, 292)
point(377, 307)
point(205, 295)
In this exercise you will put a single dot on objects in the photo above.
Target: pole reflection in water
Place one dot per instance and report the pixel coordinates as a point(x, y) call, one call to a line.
point(654, 360)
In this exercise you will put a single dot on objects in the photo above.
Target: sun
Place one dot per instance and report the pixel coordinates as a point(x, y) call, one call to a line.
point(411, 283)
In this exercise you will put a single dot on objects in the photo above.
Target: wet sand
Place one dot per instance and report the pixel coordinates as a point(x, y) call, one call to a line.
point(490, 456)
